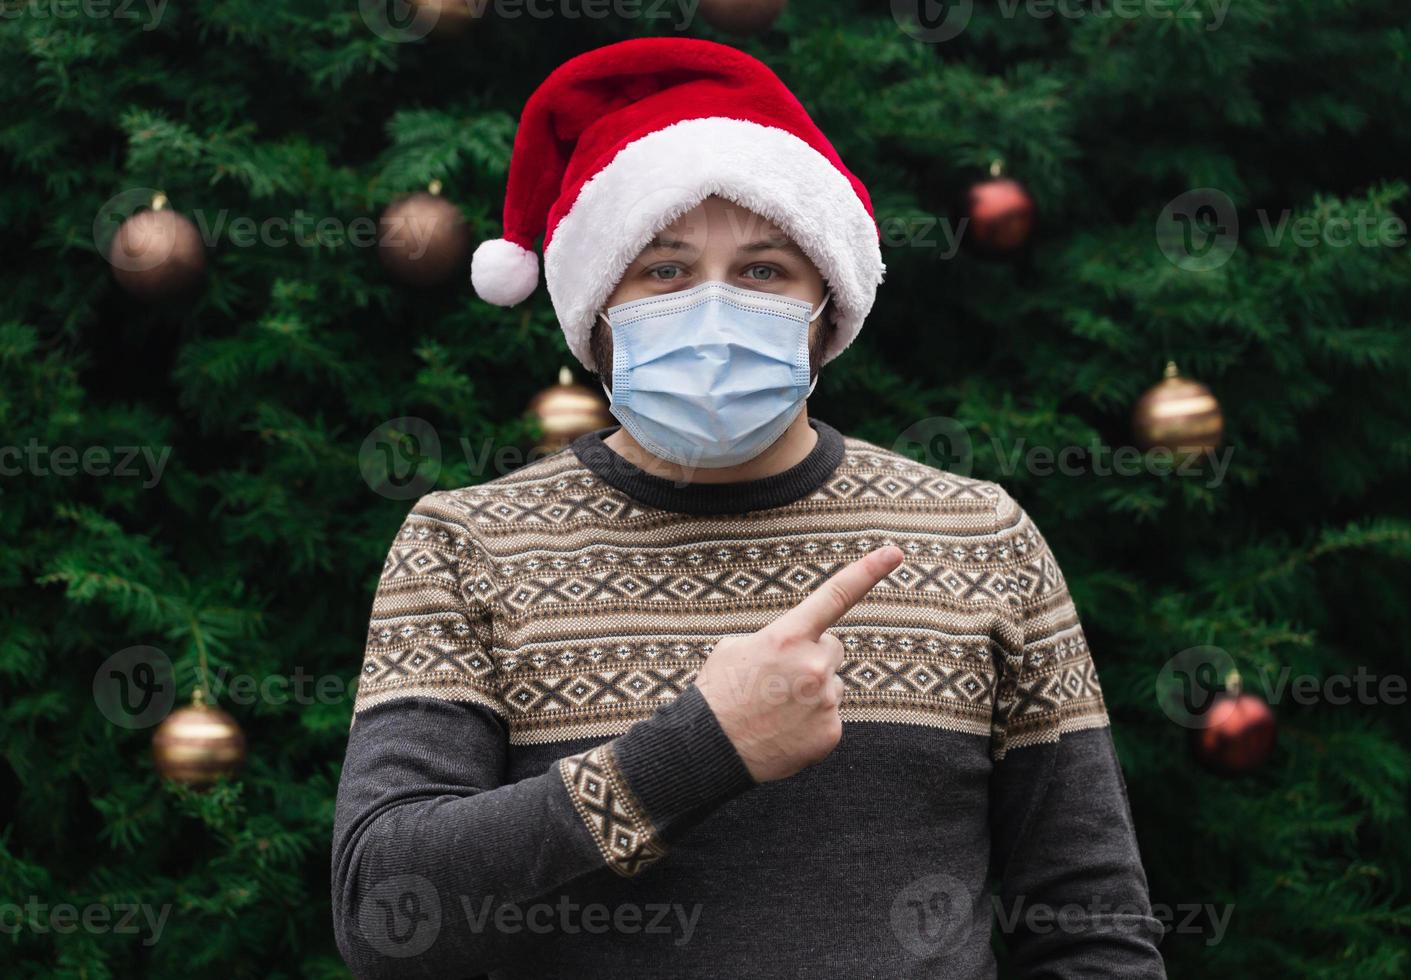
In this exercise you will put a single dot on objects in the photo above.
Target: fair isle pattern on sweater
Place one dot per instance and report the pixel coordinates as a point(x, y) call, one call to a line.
point(610, 811)
point(571, 610)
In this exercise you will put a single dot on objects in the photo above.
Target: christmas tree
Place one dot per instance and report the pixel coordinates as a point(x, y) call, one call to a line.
point(212, 471)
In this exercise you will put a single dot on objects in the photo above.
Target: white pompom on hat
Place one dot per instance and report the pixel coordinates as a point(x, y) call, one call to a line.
point(619, 142)
point(503, 273)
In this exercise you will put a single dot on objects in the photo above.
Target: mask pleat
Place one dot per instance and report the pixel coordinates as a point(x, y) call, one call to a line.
point(712, 378)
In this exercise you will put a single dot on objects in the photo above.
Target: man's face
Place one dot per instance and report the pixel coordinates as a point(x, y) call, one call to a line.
point(718, 241)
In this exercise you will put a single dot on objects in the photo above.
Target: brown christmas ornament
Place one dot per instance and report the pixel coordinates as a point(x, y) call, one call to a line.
point(999, 215)
point(742, 17)
point(198, 744)
point(445, 19)
point(422, 239)
point(566, 411)
point(157, 253)
point(1178, 414)
point(1238, 732)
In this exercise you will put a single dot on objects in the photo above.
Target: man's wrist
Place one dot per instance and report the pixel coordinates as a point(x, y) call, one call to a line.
point(680, 763)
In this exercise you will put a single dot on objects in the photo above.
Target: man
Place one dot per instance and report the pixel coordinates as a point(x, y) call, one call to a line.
point(720, 692)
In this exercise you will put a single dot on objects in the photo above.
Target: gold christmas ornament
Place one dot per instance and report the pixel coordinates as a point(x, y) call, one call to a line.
point(198, 744)
point(157, 253)
point(1178, 414)
point(566, 411)
point(449, 18)
point(742, 17)
point(422, 239)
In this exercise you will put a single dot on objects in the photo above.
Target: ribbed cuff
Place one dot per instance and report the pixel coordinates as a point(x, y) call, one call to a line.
point(680, 764)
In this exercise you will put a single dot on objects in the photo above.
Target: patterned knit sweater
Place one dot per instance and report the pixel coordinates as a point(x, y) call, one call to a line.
point(534, 788)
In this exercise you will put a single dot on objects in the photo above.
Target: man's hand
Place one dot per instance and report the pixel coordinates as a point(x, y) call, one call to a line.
point(776, 692)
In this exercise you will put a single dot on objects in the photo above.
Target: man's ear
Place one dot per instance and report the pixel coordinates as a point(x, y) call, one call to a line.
point(600, 346)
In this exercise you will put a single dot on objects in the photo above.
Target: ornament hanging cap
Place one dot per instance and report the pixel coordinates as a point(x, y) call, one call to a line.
point(619, 142)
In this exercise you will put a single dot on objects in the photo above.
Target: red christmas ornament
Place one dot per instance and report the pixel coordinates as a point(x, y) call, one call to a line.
point(999, 215)
point(1238, 732)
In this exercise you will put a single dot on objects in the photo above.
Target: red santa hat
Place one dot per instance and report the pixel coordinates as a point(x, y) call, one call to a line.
point(619, 142)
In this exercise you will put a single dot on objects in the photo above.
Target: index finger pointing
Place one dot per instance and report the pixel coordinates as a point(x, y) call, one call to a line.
point(844, 589)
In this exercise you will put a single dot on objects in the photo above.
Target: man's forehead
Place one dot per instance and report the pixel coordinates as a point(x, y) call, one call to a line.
point(719, 216)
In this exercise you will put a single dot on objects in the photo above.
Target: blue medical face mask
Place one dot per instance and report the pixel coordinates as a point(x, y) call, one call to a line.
point(710, 376)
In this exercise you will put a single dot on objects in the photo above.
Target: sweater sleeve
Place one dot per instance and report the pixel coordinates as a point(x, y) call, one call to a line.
point(429, 838)
point(1072, 892)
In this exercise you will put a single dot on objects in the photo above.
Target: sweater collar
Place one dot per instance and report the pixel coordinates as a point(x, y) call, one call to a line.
point(796, 482)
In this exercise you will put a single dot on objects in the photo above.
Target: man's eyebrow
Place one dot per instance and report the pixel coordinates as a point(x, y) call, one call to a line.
point(667, 244)
point(780, 242)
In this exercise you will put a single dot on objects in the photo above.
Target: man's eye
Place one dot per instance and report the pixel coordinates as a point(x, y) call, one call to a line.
point(760, 273)
point(665, 273)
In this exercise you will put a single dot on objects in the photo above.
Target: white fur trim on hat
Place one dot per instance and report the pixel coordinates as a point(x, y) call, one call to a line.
point(654, 180)
point(503, 273)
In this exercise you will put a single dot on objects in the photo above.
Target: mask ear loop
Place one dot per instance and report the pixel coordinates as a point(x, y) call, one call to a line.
point(816, 314)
